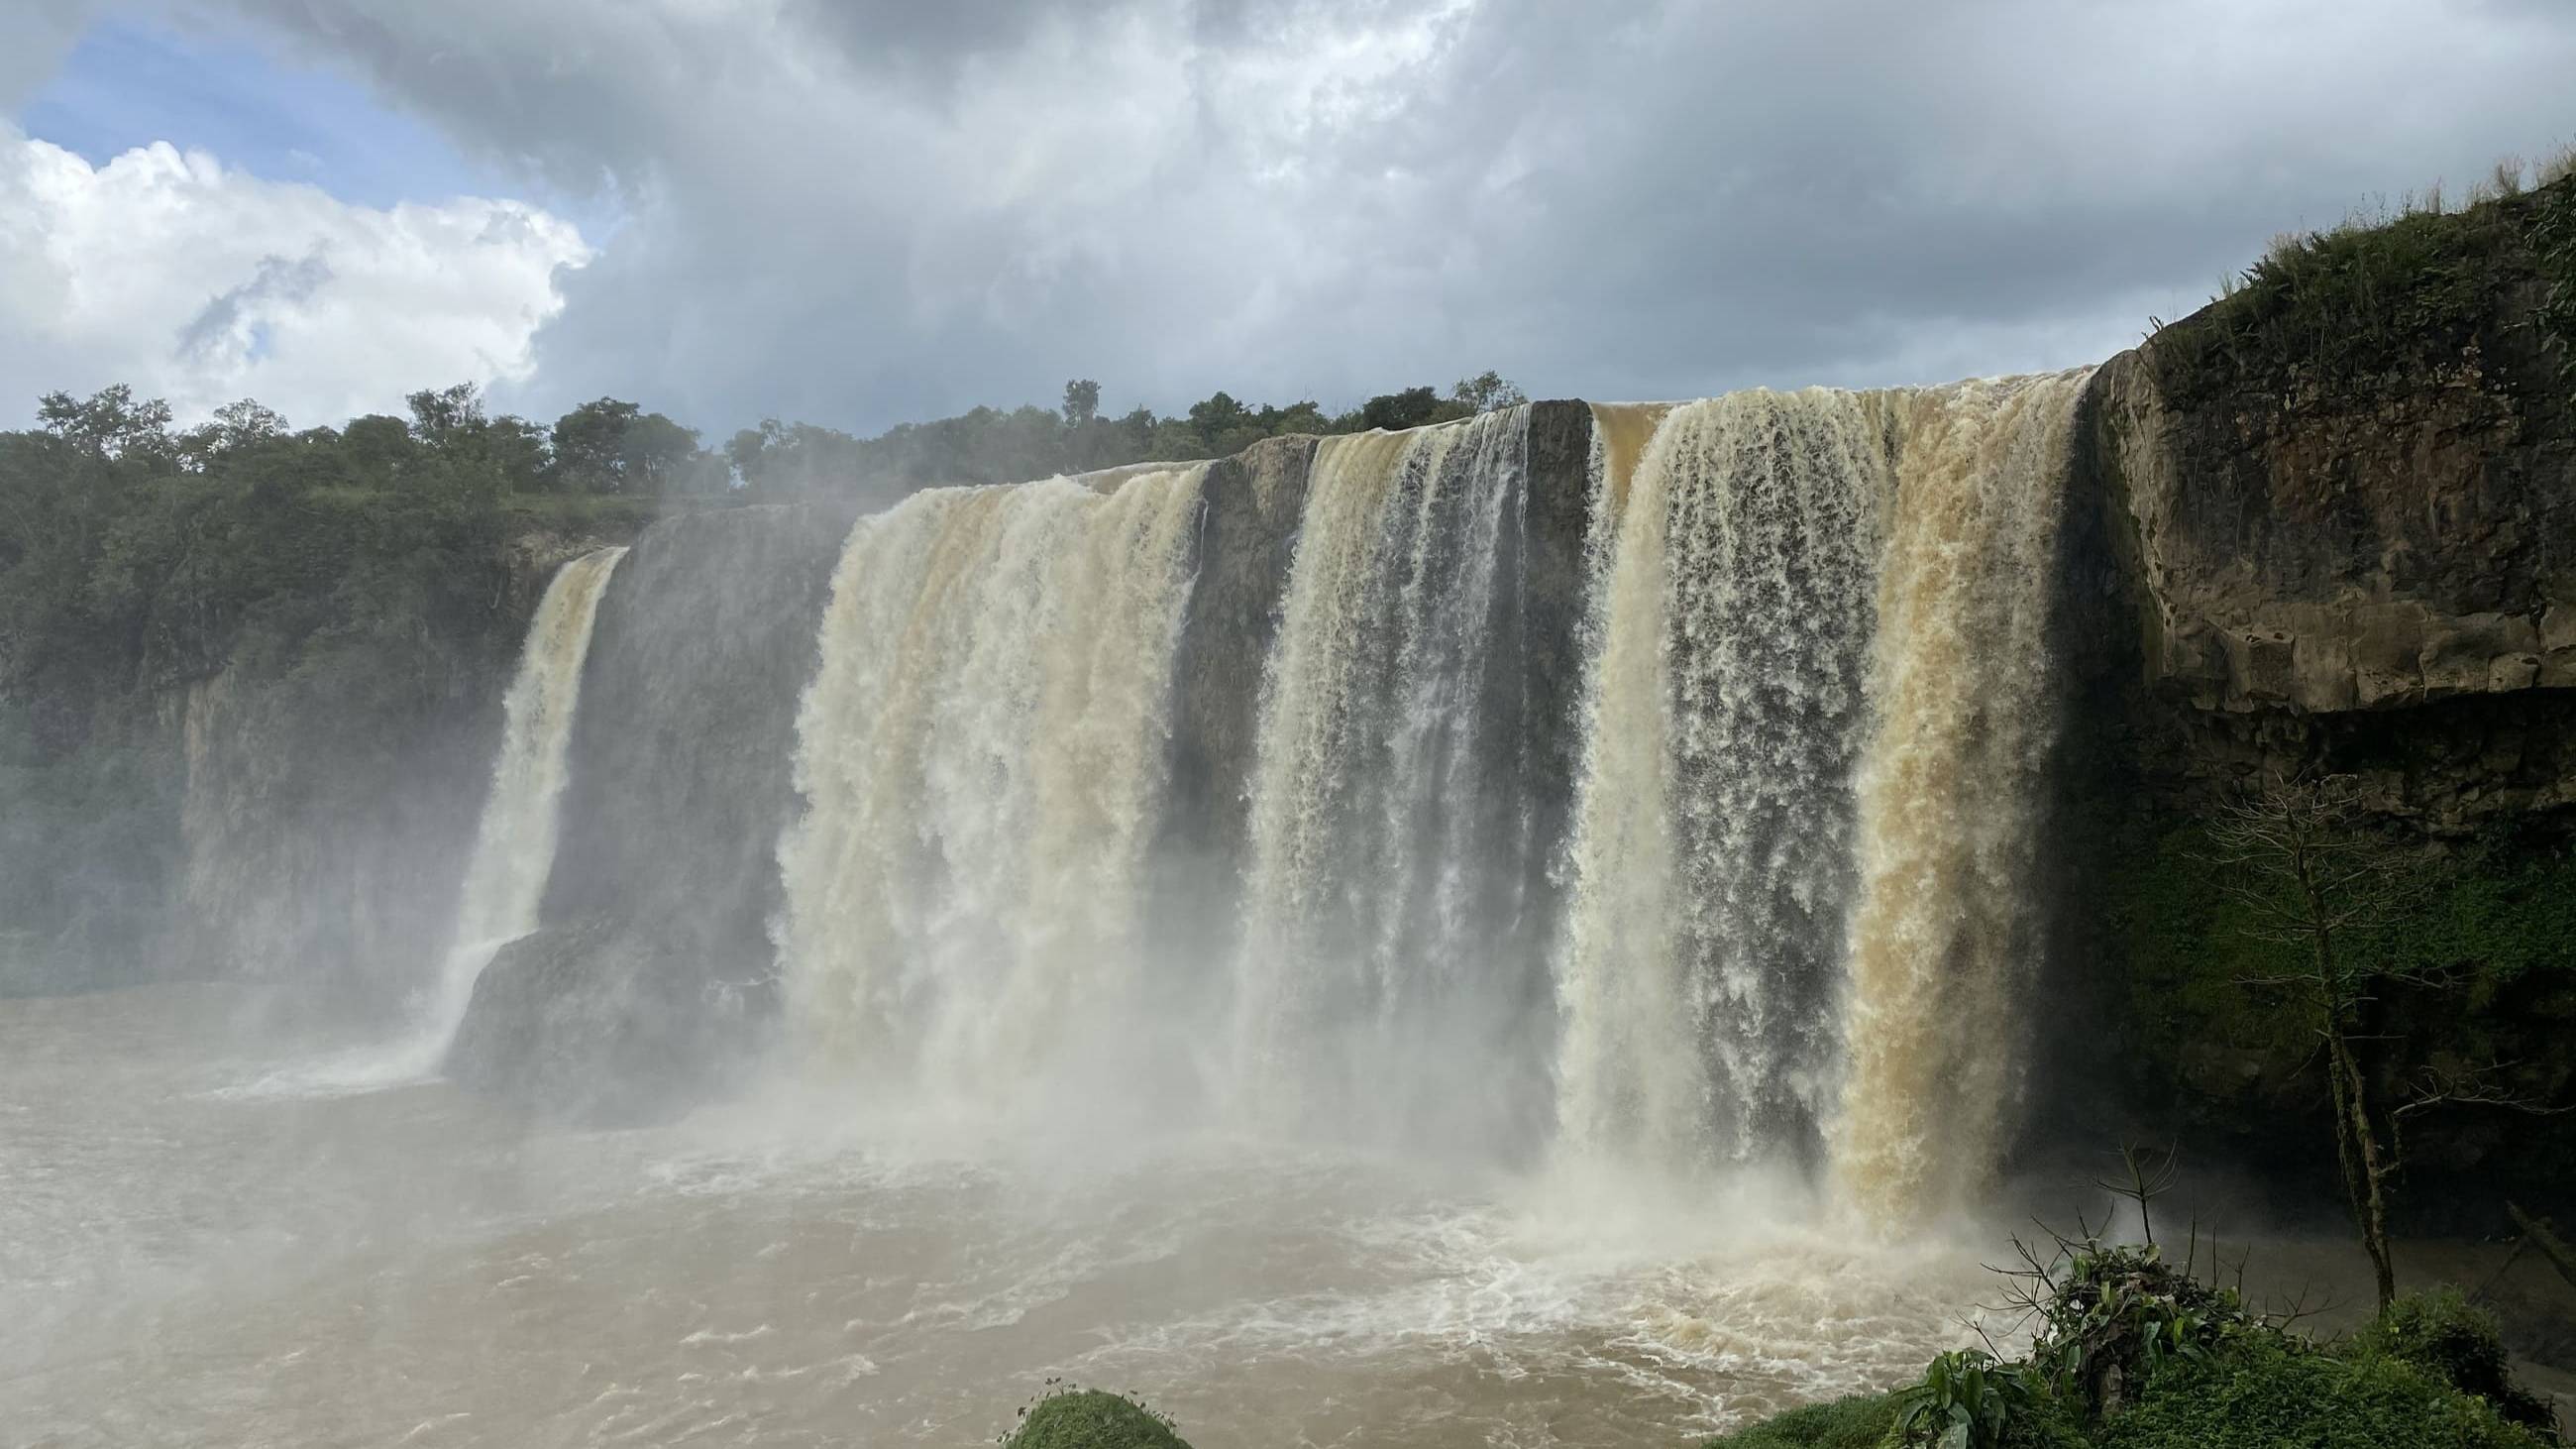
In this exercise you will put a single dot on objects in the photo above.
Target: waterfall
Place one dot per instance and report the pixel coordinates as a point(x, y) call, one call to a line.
point(1710, 862)
point(514, 844)
point(1815, 718)
point(982, 756)
point(1677, 806)
point(1950, 789)
point(1384, 976)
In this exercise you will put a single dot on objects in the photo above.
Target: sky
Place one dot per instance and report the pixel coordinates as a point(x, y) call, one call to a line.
point(859, 212)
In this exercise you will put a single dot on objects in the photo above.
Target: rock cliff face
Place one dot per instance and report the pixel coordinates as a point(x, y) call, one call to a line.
point(323, 831)
point(2328, 525)
point(2325, 532)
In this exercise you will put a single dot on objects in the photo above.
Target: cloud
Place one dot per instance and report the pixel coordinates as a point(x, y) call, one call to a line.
point(203, 284)
point(859, 211)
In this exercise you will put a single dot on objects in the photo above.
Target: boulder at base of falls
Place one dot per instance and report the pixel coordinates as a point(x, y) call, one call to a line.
point(597, 1025)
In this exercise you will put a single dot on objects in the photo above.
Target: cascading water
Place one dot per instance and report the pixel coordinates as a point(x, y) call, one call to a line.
point(1812, 716)
point(514, 845)
point(1710, 863)
point(1384, 981)
point(982, 754)
point(1815, 719)
point(1950, 788)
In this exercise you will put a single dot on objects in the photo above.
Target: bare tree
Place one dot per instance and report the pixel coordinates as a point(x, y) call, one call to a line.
point(2303, 859)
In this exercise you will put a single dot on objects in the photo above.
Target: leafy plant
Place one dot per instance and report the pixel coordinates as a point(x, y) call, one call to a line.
point(1968, 1399)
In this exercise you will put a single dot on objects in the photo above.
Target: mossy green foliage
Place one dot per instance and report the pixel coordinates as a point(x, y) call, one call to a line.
point(1090, 1419)
point(1859, 1422)
point(2378, 296)
point(2496, 914)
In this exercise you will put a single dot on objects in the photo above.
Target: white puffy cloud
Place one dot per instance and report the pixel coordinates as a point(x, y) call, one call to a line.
point(192, 281)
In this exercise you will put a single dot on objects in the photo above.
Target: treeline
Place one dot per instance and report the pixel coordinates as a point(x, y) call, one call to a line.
point(135, 552)
point(990, 445)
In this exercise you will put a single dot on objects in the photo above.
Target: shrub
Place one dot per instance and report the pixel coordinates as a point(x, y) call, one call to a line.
point(2115, 1317)
point(1089, 1419)
point(1859, 1422)
point(2441, 1335)
point(2270, 1392)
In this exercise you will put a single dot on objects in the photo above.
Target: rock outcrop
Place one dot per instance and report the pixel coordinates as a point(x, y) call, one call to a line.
point(2363, 520)
point(2328, 526)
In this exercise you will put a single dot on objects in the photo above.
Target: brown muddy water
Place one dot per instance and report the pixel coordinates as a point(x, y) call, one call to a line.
point(207, 1243)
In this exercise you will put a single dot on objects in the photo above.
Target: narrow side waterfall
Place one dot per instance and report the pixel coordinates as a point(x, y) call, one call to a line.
point(1710, 864)
point(982, 754)
point(1384, 981)
point(514, 845)
point(1951, 787)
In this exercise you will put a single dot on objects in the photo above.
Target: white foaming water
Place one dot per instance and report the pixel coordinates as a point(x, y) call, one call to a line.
point(982, 754)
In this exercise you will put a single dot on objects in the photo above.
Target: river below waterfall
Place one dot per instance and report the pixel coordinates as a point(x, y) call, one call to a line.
point(210, 1243)
point(204, 1241)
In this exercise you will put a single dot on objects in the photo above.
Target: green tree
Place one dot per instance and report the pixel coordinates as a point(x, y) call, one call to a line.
point(2303, 859)
point(1411, 408)
point(1081, 402)
point(110, 422)
point(611, 446)
point(1486, 392)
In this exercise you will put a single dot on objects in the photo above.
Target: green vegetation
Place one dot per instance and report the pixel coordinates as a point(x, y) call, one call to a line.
point(1862, 1421)
point(2478, 967)
point(2387, 292)
point(2132, 1352)
point(2277, 1393)
point(1071, 1418)
point(2446, 1338)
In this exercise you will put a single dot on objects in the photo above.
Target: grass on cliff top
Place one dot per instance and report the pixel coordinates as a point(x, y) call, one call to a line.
point(2385, 289)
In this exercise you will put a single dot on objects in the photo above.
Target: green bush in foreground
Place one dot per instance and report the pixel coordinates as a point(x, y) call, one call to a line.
point(2135, 1354)
point(1090, 1419)
point(2442, 1336)
point(1859, 1422)
point(2274, 1394)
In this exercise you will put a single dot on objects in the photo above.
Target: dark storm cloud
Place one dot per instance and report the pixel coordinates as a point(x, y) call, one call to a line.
point(859, 212)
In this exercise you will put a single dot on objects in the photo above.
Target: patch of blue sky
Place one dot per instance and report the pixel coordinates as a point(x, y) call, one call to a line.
point(129, 83)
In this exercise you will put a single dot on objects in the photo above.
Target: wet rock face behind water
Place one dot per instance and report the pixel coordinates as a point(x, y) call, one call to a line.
point(654, 964)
